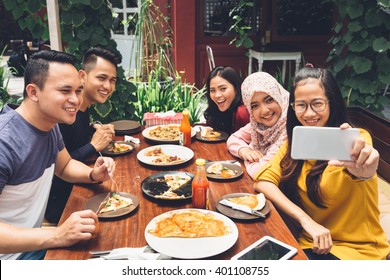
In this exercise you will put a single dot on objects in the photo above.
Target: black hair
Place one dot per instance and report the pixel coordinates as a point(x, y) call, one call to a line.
point(337, 115)
point(38, 66)
point(91, 55)
point(214, 117)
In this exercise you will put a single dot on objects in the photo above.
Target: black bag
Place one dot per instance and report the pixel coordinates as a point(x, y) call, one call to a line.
point(17, 62)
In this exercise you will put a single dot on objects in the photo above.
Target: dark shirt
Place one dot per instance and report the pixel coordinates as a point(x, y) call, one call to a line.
point(77, 141)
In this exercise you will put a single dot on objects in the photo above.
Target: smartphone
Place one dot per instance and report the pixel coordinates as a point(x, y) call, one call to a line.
point(323, 143)
point(267, 248)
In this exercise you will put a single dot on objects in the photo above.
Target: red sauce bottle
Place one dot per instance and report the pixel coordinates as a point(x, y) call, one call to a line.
point(200, 186)
point(185, 130)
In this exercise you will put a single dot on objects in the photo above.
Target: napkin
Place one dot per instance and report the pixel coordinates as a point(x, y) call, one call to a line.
point(170, 113)
point(142, 253)
point(132, 139)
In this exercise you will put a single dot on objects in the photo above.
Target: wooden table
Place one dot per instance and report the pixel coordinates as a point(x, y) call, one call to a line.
point(128, 231)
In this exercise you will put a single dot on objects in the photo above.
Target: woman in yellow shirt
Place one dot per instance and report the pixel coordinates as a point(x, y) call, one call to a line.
point(335, 202)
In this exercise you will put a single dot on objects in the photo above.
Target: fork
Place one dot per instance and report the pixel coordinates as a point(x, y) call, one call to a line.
point(112, 179)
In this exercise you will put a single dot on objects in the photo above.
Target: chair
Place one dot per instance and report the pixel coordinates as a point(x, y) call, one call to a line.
point(210, 57)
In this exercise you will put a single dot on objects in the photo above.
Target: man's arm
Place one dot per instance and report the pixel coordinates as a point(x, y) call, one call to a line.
point(79, 226)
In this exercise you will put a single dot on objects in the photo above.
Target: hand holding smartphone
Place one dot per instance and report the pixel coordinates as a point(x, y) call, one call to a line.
point(323, 143)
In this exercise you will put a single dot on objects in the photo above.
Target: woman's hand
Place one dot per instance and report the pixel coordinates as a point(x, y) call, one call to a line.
point(365, 158)
point(249, 154)
point(322, 240)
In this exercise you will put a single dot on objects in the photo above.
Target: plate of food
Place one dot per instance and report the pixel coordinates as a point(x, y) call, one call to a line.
point(207, 134)
point(169, 133)
point(165, 155)
point(111, 205)
point(223, 170)
point(169, 185)
point(191, 233)
point(117, 148)
point(255, 202)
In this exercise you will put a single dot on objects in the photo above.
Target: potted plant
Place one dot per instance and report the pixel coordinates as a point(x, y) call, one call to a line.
point(152, 50)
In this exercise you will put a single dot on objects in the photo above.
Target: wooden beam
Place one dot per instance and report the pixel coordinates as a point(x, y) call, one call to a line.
point(54, 25)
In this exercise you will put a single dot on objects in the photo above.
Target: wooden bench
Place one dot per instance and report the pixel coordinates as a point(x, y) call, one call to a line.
point(379, 129)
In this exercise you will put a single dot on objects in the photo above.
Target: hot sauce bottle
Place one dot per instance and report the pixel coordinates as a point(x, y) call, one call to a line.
point(200, 186)
point(185, 130)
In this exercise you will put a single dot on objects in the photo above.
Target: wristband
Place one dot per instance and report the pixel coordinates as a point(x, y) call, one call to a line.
point(91, 178)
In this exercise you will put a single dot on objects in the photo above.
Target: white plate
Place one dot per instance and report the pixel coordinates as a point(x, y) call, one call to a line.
point(182, 152)
point(191, 248)
point(145, 133)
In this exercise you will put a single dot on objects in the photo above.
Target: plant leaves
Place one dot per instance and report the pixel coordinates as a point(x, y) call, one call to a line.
point(361, 65)
point(354, 26)
point(355, 11)
point(381, 44)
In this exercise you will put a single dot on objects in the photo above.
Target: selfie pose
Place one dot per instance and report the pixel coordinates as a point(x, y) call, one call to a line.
point(225, 111)
point(267, 102)
point(335, 202)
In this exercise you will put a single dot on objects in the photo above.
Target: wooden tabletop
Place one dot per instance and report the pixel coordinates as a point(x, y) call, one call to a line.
point(128, 230)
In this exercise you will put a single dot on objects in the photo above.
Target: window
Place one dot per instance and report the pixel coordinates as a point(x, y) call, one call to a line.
point(216, 20)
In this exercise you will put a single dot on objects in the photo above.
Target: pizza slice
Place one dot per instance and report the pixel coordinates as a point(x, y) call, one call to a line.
point(115, 202)
point(154, 152)
point(254, 202)
point(209, 133)
point(175, 182)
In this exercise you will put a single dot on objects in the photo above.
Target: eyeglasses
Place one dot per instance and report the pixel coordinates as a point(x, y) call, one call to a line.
point(317, 105)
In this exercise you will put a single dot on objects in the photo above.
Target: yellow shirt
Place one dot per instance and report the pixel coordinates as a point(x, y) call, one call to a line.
point(352, 213)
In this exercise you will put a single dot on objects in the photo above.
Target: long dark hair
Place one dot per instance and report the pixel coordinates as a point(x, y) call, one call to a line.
point(291, 169)
point(214, 117)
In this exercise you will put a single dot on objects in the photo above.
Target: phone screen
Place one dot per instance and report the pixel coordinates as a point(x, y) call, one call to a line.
point(266, 250)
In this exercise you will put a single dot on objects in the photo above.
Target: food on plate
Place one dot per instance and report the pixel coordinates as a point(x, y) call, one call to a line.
point(255, 202)
point(190, 224)
point(114, 202)
point(154, 152)
point(165, 159)
point(119, 148)
point(209, 133)
point(176, 181)
point(217, 168)
point(167, 132)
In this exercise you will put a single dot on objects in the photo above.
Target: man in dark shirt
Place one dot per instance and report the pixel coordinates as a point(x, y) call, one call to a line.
point(98, 75)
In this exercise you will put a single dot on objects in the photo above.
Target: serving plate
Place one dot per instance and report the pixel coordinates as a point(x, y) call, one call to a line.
point(191, 248)
point(235, 167)
point(154, 185)
point(182, 152)
point(123, 127)
point(107, 152)
point(94, 202)
point(223, 137)
point(146, 134)
point(237, 214)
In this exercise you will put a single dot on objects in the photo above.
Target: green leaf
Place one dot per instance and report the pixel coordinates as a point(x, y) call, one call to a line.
point(361, 65)
point(354, 26)
point(33, 6)
point(369, 100)
point(384, 78)
point(355, 11)
point(96, 4)
point(338, 27)
point(380, 44)
point(359, 45)
point(78, 17)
